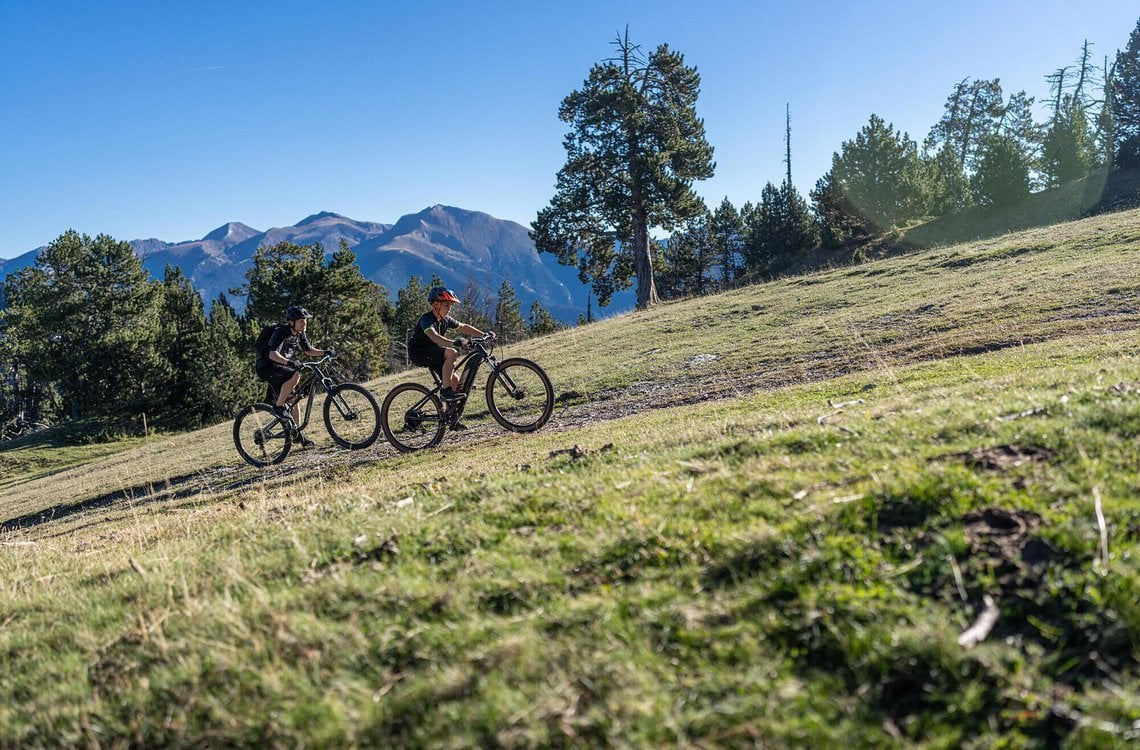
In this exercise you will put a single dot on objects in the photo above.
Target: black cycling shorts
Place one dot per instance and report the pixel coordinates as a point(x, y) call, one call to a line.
point(274, 374)
point(430, 357)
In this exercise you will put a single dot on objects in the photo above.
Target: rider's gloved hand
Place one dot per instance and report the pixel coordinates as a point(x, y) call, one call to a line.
point(331, 353)
point(295, 364)
point(491, 335)
point(462, 342)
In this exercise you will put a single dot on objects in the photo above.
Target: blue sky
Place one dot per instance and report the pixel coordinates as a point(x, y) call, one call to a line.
point(169, 119)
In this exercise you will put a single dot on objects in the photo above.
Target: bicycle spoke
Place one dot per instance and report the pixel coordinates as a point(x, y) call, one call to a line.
point(352, 416)
point(261, 438)
point(412, 418)
point(519, 395)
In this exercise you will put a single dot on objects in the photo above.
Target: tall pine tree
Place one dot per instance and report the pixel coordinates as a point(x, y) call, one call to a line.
point(184, 344)
point(509, 323)
point(880, 176)
point(684, 262)
point(634, 149)
point(228, 361)
point(1126, 103)
point(411, 303)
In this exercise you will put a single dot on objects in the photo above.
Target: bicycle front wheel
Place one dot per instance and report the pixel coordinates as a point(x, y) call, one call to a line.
point(412, 418)
point(519, 395)
point(261, 437)
point(352, 416)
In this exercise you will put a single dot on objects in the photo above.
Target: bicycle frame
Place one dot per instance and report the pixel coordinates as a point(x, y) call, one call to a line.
point(520, 398)
point(311, 376)
point(351, 416)
point(470, 365)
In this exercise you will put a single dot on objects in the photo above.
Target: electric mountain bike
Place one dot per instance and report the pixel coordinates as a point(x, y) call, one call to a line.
point(519, 397)
point(351, 417)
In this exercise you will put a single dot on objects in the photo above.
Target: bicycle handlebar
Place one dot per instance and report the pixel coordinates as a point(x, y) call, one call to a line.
point(467, 342)
point(327, 358)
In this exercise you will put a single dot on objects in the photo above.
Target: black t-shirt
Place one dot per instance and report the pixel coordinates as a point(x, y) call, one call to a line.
point(287, 343)
point(428, 320)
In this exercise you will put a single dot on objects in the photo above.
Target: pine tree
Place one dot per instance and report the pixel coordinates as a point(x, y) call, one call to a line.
point(509, 323)
point(229, 362)
point(635, 147)
point(184, 345)
point(1126, 103)
point(357, 312)
point(972, 114)
point(1069, 151)
point(411, 304)
point(1018, 124)
point(1002, 178)
point(880, 176)
point(542, 322)
point(85, 319)
point(949, 188)
point(839, 222)
point(683, 262)
point(726, 234)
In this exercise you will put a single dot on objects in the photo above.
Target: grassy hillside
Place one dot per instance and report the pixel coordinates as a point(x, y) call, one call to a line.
point(763, 518)
point(1095, 194)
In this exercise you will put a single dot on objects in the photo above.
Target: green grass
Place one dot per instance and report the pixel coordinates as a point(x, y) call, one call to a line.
point(788, 563)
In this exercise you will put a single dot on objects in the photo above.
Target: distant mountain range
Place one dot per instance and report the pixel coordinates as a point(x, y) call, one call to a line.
point(453, 243)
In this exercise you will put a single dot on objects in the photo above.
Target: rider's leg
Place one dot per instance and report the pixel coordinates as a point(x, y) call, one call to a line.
point(450, 378)
point(287, 388)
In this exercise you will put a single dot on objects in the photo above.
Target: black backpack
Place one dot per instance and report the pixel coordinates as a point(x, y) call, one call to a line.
point(267, 332)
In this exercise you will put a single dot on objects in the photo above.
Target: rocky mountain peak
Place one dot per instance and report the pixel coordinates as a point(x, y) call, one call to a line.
point(231, 233)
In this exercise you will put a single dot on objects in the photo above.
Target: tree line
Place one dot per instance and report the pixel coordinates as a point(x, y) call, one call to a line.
point(636, 145)
point(92, 340)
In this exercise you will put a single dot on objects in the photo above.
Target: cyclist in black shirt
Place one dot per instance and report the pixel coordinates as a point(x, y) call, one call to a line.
point(430, 348)
point(280, 370)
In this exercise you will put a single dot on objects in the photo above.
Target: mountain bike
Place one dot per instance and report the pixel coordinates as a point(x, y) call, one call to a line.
point(351, 417)
point(519, 397)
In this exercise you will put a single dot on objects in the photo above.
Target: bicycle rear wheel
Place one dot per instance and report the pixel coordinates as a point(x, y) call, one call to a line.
point(260, 436)
point(352, 416)
point(412, 418)
point(519, 395)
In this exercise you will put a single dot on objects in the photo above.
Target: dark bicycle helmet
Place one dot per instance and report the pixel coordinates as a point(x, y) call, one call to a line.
point(441, 294)
point(296, 313)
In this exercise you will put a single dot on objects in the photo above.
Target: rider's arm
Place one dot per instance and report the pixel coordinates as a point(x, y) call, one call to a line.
point(308, 348)
point(469, 330)
point(278, 357)
point(435, 336)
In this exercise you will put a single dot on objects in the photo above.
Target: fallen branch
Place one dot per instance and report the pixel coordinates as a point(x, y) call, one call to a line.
point(1098, 509)
point(958, 578)
point(1027, 413)
point(136, 566)
point(823, 419)
point(982, 626)
point(438, 511)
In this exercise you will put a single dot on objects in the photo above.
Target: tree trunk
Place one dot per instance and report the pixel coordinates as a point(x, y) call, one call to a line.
point(643, 263)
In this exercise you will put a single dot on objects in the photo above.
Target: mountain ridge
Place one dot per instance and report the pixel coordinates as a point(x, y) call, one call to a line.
point(458, 245)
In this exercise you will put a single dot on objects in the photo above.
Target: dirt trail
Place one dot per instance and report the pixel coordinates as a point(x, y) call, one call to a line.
point(572, 411)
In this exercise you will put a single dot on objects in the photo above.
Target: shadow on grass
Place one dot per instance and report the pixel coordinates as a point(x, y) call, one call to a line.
point(169, 490)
